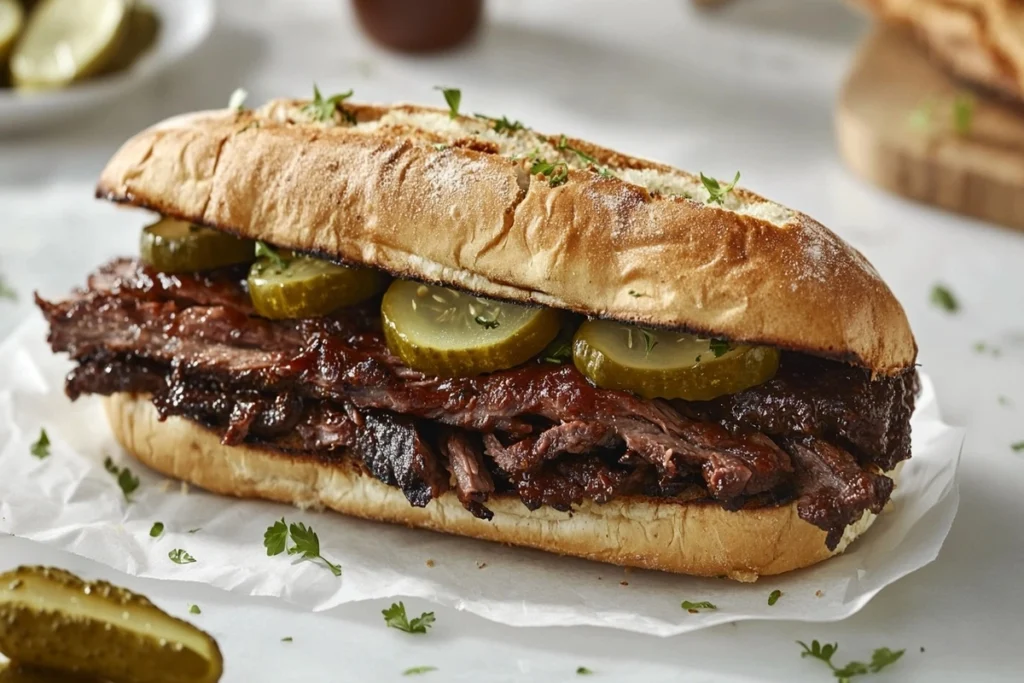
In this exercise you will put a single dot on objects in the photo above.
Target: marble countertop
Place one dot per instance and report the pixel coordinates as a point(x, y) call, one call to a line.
point(748, 88)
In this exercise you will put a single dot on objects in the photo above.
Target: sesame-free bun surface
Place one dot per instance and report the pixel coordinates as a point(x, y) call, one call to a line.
point(411, 191)
point(689, 538)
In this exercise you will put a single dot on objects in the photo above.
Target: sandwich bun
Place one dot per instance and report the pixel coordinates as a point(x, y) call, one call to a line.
point(690, 538)
point(424, 196)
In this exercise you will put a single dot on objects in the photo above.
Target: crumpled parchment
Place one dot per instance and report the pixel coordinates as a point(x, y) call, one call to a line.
point(70, 501)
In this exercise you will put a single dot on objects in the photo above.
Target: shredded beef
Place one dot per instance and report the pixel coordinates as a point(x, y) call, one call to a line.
point(817, 431)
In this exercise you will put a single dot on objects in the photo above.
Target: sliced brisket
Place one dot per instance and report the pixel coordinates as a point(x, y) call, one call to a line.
point(542, 430)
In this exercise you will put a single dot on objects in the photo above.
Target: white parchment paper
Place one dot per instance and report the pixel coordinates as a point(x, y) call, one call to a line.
point(70, 501)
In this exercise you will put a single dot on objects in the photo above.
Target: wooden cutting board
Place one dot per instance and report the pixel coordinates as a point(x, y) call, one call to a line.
point(979, 173)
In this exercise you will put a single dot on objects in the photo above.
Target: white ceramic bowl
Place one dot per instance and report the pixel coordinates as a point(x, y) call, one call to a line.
point(184, 24)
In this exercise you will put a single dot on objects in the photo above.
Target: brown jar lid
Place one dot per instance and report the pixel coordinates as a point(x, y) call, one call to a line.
point(418, 25)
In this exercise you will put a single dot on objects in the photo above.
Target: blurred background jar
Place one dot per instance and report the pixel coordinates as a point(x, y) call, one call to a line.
point(418, 25)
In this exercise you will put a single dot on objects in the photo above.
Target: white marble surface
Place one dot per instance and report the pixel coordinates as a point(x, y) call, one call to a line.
point(749, 88)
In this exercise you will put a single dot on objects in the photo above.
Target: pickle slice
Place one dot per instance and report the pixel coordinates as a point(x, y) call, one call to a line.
point(140, 35)
point(302, 287)
point(11, 18)
point(52, 619)
point(665, 364)
point(19, 673)
point(174, 246)
point(68, 40)
point(451, 334)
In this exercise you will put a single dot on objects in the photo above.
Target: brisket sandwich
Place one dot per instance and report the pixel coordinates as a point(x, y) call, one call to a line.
point(460, 324)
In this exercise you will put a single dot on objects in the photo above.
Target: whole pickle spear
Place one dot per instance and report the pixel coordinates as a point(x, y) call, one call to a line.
point(51, 619)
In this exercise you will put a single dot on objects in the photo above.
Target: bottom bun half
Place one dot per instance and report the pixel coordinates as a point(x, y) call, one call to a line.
point(691, 538)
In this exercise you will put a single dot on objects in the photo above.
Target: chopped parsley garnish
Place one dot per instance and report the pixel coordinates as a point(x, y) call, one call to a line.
point(649, 342)
point(125, 479)
point(322, 109)
point(880, 658)
point(719, 347)
point(305, 542)
point(265, 251)
point(944, 299)
point(963, 113)
point(559, 354)
point(583, 671)
point(395, 617)
point(694, 607)
point(453, 97)
point(417, 670)
point(194, 609)
point(1017, 447)
point(237, 101)
point(557, 173)
point(563, 144)
point(6, 291)
point(774, 596)
point(156, 529)
point(179, 556)
point(635, 294)
point(716, 191)
point(41, 447)
point(502, 125)
point(485, 323)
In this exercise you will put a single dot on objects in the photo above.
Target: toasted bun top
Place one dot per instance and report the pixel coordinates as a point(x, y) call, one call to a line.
point(412, 191)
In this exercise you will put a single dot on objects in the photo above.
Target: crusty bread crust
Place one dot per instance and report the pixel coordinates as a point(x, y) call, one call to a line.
point(410, 191)
point(979, 40)
point(688, 538)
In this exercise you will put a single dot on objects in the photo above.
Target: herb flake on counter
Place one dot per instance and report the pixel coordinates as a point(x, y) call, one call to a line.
point(1017, 447)
point(453, 98)
point(417, 670)
point(128, 482)
point(156, 529)
point(41, 447)
point(287, 639)
point(6, 291)
point(880, 659)
point(305, 542)
point(943, 297)
point(695, 607)
point(237, 100)
point(1004, 400)
point(180, 556)
point(322, 109)
point(716, 191)
point(773, 597)
point(583, 671)
point(194, 609)
point(395, 617)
